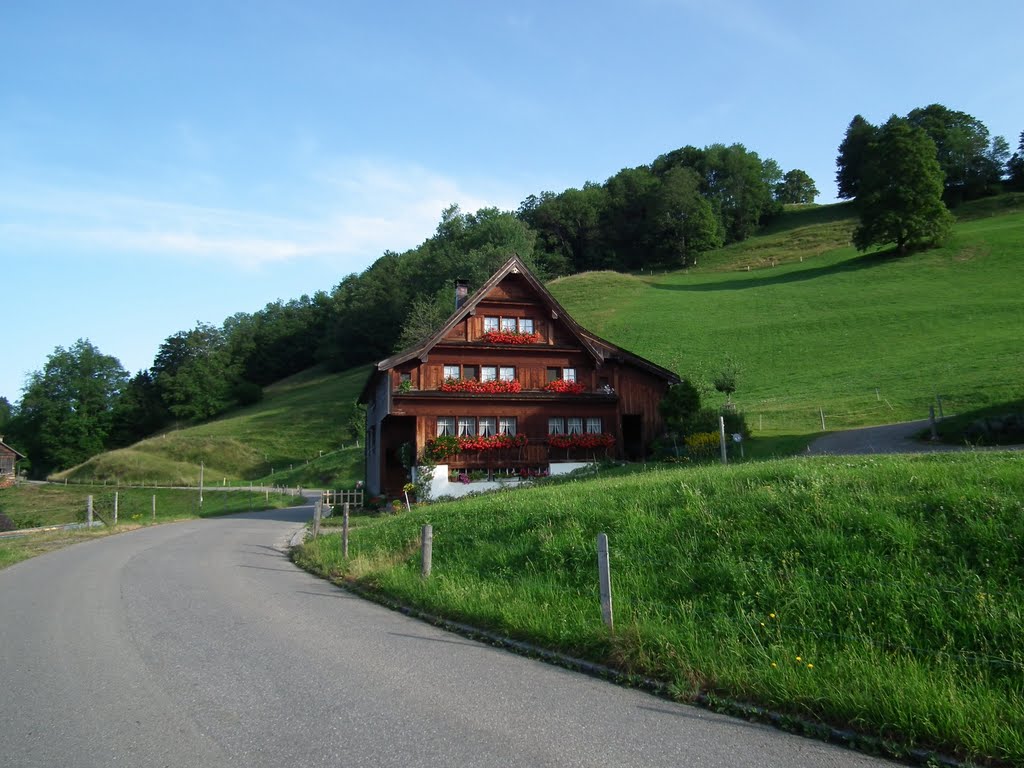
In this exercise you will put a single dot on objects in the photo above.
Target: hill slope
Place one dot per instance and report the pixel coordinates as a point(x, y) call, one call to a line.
point(299, 418)
point(868, 338)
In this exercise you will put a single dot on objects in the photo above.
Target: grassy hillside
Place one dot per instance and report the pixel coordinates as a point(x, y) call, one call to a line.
point(869, 338)
point(301, 419)
point(879, 593)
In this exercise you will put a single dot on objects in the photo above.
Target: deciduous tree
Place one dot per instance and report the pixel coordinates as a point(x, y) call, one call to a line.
point(1015, 166)
point(65, 412)
point(900, 199)
point(796, 187)
point(852, 157)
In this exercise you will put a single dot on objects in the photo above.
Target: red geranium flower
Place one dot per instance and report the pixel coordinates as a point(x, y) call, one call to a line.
point(567, 387)
point(510, 337)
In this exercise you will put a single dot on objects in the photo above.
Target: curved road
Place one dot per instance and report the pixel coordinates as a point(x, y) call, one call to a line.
point(200, 644)
point(889, 438)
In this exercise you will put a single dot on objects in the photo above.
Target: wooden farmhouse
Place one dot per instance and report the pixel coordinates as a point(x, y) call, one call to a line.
point(510, 387)
point(8, 459)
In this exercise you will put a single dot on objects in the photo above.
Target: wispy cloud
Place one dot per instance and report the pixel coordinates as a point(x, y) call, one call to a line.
point(356, 210)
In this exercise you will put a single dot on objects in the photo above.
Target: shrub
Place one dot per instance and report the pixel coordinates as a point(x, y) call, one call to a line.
point(247, 393)
point(702, 445)
point(5, 523)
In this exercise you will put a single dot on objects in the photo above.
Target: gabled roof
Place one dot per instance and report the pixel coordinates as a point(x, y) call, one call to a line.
point(16, 453)
point(598, 348)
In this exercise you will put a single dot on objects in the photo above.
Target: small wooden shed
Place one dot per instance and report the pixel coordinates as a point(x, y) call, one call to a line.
point(8, 459)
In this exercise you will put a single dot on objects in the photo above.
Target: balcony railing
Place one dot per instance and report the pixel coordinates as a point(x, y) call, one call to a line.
point(533, 452)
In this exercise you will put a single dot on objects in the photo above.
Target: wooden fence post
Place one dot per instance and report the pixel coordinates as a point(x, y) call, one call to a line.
point(605, 578)
point(821, 412)
point(115, 507)
point(317, 512)
point(88, 511)
point(427, 537)
point(721, 438)
point(344, 532)
point(154, 507)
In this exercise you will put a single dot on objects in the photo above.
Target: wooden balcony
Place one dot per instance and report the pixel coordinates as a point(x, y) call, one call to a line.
point(536, 453)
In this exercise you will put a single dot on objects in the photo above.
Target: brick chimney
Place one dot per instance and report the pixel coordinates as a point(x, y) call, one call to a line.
point(461, 292)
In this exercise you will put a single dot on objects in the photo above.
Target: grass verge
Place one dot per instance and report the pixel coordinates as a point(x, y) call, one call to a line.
point(882, 594)
point(33, 506)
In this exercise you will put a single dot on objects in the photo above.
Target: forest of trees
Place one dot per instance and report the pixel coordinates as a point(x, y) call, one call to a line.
point(663, 215)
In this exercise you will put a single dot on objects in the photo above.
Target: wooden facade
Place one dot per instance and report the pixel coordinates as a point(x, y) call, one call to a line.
point(8, 460)
point(414, 396)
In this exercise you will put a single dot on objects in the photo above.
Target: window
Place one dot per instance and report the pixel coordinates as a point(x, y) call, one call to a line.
point(486, 426)
point(467, 426)
point(405, 377)
point(575, 425)
point(445, 426)
point(469, 371)
point(507, 425)
point(556, 426)
point(569, 374)
point(553, 374)
point(490, 324)
point(451, 371)
point(507, 374)
point(508, 324)
point(594, 425)
point(488, 373)
point(525, 325)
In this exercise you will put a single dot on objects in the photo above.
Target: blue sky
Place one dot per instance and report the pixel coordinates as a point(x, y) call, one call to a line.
point(163, 164)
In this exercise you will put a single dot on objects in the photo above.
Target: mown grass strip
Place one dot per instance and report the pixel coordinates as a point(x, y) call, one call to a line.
point(881, 594)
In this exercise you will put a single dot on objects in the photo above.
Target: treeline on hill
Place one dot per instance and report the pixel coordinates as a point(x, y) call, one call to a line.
point(661, 215)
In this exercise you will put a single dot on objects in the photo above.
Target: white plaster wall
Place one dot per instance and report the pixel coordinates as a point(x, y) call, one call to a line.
point(440, 486)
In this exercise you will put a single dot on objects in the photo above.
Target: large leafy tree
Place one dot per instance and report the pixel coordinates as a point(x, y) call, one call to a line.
point(796, 187)
point(683, 225)
point(627, 216)
point(962, 148)
point(6, 412)
point(66, 409)
point(194, 373)
point(138, 411)
point(736, 182)
point(900, 199)
point(1015, 166)
point(852, 158)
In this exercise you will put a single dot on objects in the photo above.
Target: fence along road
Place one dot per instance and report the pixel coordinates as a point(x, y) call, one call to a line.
point(200, 644)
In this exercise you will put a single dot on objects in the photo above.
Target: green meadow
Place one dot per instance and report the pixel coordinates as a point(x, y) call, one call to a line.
point(882, 594)
point(866, 338)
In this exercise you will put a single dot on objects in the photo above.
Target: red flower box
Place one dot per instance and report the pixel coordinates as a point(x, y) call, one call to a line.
point(585, 440)
point(511, 337)
point(567, 387)
point(495, 387)
point(439, 447)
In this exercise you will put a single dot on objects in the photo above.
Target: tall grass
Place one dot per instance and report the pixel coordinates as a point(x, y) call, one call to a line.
point(886, 594)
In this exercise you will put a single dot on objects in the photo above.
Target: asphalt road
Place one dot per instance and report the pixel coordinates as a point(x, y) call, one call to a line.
point(200, 644)
point(889, 438)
